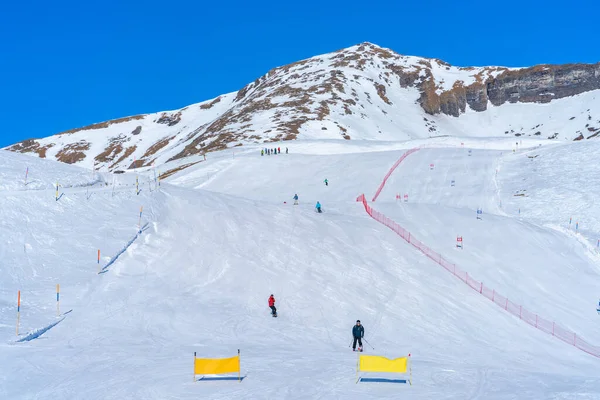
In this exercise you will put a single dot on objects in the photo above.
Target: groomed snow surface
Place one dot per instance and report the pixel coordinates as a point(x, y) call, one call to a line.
point(222, 235)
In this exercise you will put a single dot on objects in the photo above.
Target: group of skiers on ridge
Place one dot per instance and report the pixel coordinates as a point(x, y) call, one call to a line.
point(358, 331)
point(274, 150)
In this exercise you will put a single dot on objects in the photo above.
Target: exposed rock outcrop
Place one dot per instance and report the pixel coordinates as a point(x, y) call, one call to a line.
point(539, 84)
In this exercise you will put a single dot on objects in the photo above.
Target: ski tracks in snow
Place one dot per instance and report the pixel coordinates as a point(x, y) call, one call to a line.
point(480, 389)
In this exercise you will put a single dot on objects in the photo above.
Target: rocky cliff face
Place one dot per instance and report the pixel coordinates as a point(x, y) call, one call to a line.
point(539, 84)
point(543, 83)
point(362, 92)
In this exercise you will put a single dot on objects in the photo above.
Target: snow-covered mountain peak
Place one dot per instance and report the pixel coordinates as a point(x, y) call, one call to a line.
point(361, 92)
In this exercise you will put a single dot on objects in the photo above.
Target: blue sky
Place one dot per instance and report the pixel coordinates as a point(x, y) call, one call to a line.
point(65, 64)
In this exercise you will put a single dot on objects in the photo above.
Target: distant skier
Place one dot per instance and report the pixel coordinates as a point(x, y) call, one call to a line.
point(358, 332)
point(318, 207)
point(326, 182)
point(286, 150)
point(262, 152)
point(272, 306)
point(296, 199)
point(279, 150)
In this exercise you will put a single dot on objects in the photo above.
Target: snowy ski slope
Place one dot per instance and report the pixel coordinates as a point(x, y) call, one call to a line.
point(220, 239)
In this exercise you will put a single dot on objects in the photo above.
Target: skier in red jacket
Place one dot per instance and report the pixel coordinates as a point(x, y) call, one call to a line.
point(272, 305)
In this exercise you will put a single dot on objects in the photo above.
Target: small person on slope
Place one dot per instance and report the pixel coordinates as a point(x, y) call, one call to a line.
point(272, 306)
point(318, 207)
point(358, 332)
point(296, 199)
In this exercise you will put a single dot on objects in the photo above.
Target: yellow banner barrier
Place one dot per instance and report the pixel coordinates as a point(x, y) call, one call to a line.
point(382, 364)
point(210, 366)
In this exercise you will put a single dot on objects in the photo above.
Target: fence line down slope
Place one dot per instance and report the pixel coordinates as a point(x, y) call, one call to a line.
point(517, 310)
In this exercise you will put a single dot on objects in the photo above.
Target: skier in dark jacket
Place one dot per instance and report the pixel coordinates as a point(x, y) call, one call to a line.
point(358, 332)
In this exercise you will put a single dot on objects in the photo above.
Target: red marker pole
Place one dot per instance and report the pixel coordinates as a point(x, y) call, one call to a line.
point(98, 260)
point(18, 310)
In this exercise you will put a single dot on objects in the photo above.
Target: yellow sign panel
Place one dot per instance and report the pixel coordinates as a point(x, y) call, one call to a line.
point(207, 366)
point(382, 364)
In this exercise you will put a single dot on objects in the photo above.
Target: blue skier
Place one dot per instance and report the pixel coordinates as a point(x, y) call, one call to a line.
point(296, 199)
point(318, 207)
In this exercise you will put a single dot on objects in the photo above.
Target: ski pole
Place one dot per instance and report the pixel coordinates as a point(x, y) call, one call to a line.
point(350, 345)
point(368, 343)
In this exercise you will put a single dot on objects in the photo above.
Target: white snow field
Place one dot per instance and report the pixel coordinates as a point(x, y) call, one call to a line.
point(218, 239)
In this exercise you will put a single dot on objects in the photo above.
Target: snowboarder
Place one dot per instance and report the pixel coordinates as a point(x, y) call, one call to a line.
point(318, 207)
point(326, 182)
point(358, 332)
point(296, 199)
point(272, 306)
